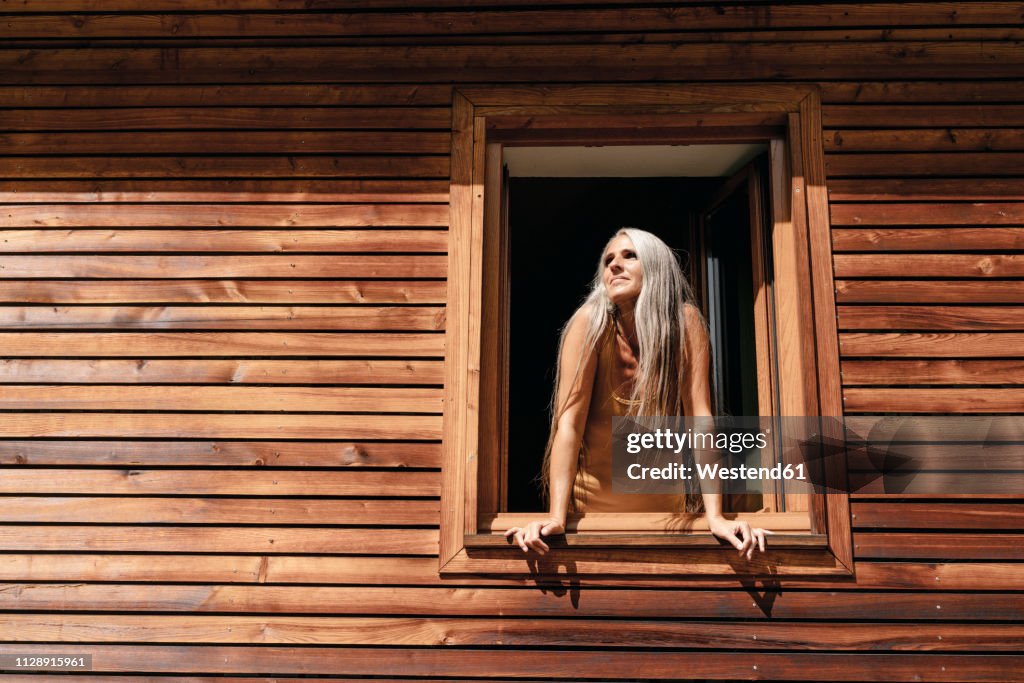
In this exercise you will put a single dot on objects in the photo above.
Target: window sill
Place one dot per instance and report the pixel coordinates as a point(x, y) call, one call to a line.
point(644, 540)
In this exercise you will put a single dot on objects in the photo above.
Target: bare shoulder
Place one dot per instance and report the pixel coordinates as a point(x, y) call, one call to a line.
point(692, 315)
point(576, 328)
point(696, 340)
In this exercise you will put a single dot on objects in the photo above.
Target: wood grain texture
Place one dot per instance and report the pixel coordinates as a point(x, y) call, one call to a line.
point(927, 239)
point(208, 399)
point(294, 454)
point(982, 318)
point(688, 18)
point(231, 539)
point(949, 164)
point(922, 116)
point(939, 577)
point(455, 662)
point(472, 601)
point(218, 426)
point(904, 92)
point(218, 511)
point(212, 191)
point(937, 344)
point(932, 400)
point(211, 240)
point(204, 371)
point(230, 118)
point(219, 344)
point(190, 164)
point(888, 372)
point(398, 318)
point(516, 633)
point(75, 96)
point(223, 291)
point(136, 482)
point(925, 189)
point(895, 291)
point(928, 265)
point(227, 142)
point(246, 266)
point(945, 545)
point(926, 140)
point(215, 215)
point(962, 213)
point(504, 63)
point(909, 515)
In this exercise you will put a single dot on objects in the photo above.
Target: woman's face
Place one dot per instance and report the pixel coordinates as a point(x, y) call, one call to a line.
point(623, 274)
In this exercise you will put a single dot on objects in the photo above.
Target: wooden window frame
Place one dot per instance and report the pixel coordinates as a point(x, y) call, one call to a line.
point(788, 117)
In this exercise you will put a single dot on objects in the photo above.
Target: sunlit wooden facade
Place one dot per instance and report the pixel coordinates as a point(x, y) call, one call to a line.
point(225, 250)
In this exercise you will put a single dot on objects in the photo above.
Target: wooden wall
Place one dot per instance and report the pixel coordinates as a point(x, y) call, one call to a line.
point(222, 290)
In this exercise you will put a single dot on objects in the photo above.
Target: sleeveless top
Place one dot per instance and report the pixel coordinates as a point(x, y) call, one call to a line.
point(592, 490)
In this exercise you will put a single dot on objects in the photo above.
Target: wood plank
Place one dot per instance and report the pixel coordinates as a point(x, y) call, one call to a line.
point(219, 344)
point(927, 265)
point(75, 96)
point(930, 485)
point(982, 318)
point(925, 458)
point(225, 453)
point(894, 165)
point(218, 426)
point(932, 345)
point(471, 601)
point(929, 291)
point(687, 18)
point(224, 216)
point(932, 515)
point(216, 399)
point(409, 318)
point(927, 239)
point(932, 400)
point(215, 191)
point(873, 372)
point(229, 118)
point(135, 482)
point(518, 632)
point(923, 116)
point(936, 577)
point(926, 189)
point(925, 140)
point(939, 545)
point(969, 430)
point(234, 539)
point(196, 166)
point(227, 142)
point(200, 371)
point(217, 511)
point(262, 266)
point(560, 665)
point(961, 213)
point(705, 62)
point(222, 291)
point(215, 240)
point(902, 92)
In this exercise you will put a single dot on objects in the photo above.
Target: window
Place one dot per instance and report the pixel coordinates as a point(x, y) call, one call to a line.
point(796, 351)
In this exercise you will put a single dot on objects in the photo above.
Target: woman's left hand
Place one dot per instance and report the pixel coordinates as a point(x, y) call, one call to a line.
point(740, 534)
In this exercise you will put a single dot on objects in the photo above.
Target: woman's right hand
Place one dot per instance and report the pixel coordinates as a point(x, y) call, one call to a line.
point(530, 537)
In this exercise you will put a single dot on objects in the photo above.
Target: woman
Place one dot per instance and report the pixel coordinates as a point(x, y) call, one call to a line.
point(637, 347)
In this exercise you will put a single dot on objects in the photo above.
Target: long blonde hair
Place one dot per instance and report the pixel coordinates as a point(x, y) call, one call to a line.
point(660, 323)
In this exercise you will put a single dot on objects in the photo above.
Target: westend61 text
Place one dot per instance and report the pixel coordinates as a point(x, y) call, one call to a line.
point(709, 472)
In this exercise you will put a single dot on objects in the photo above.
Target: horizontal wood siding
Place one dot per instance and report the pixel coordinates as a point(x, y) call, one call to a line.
point(223, 255)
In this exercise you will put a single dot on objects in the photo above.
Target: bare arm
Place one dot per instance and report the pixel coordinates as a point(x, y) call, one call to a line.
point(572, 404)
point(697, 403)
